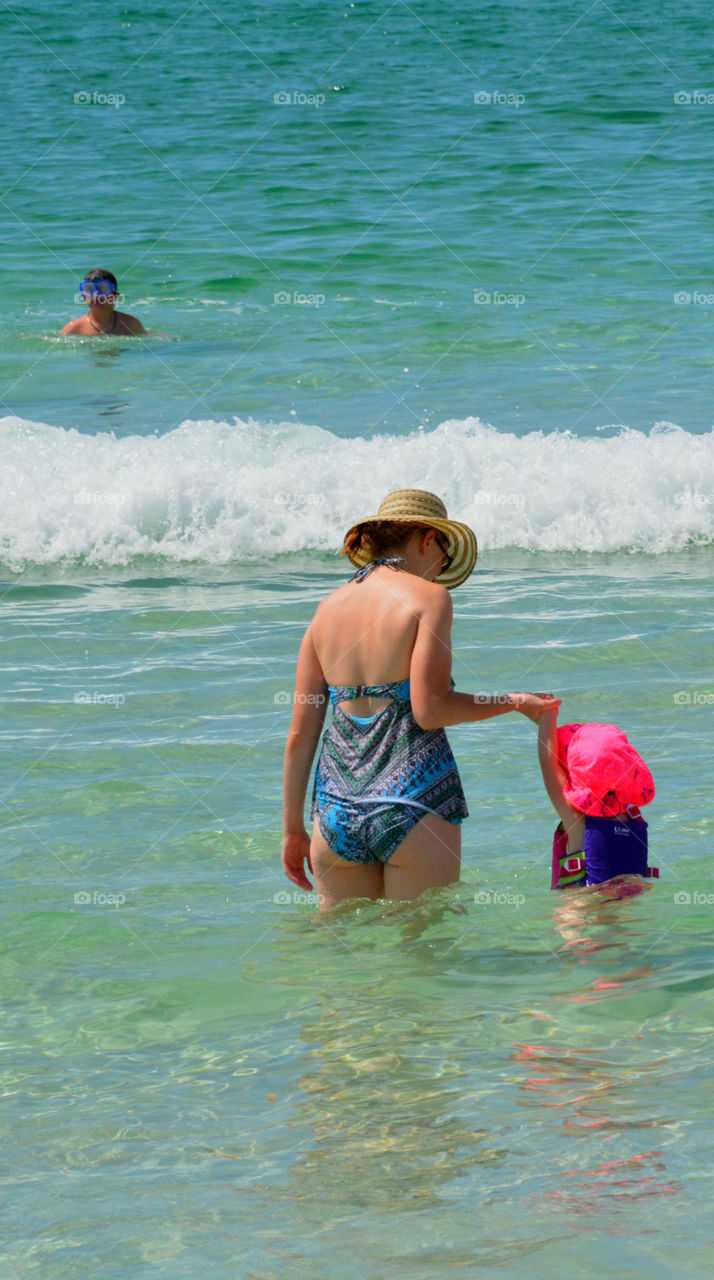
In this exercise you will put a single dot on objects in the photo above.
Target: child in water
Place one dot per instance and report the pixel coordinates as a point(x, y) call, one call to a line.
point(596, 782)
point(100, 290)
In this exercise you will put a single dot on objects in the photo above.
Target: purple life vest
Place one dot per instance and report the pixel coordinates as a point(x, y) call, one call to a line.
point(612, 847)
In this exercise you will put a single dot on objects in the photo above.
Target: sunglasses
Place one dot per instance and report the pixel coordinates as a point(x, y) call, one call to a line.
point(103, 287)
point(448, 560)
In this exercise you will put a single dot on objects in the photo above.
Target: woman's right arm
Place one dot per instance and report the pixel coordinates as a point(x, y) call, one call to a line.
point(434, 703)
point(309, 708)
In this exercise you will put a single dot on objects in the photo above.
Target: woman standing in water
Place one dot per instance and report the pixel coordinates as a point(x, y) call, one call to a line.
point(387, 800)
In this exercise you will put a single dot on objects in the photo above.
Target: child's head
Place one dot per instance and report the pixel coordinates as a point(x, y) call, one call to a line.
point(605, 774)
point(99, 286)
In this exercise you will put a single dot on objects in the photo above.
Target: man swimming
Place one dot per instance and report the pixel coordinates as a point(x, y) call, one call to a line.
point(101, 291)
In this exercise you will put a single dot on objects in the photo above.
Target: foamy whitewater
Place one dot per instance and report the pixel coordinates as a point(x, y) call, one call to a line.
point(219, 491)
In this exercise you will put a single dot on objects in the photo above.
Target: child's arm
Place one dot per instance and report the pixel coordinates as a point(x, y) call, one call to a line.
point(554, 779)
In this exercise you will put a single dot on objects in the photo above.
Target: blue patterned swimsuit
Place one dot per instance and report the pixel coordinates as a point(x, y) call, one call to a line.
point(377, 777)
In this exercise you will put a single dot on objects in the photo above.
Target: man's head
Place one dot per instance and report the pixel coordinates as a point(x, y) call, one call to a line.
point(99, 287)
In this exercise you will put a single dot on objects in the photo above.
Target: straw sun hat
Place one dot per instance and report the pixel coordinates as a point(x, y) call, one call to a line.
point(417, 506)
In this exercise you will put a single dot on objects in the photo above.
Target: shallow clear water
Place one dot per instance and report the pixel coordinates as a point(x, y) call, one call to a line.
point(493, 1079)
point(200, 1073)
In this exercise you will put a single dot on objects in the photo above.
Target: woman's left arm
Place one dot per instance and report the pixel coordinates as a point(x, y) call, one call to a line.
point(309, 706)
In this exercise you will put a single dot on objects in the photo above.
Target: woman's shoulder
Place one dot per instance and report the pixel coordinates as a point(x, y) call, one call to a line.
point(407, 586)
point(412, 585)
point(343, 592)
point(433, 596)
point(333, 600)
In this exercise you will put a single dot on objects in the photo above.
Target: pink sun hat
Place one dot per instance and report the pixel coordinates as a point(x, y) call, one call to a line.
point(605, 774)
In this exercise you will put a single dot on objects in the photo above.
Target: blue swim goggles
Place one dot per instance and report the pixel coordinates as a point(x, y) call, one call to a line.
point(104, 288)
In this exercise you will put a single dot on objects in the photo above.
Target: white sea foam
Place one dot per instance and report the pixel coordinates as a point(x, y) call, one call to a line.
point(219, 491)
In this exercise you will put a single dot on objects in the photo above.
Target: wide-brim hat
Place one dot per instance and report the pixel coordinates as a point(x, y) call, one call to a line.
point(604, 772)
point(418, 506)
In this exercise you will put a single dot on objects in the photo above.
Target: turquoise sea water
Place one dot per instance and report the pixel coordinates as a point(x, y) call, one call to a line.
point(376, 282)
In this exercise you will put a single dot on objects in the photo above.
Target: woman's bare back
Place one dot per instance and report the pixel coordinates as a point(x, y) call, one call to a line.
point(364, 633)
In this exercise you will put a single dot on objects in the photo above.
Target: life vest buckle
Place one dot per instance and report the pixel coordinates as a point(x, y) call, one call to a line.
point(573, 864)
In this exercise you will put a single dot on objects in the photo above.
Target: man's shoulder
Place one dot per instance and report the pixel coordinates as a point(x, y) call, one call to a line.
point(129, 323)
point(74, 326)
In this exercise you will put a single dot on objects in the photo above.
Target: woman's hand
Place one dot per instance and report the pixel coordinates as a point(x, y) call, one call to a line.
point(296, 852)
point(533, 705)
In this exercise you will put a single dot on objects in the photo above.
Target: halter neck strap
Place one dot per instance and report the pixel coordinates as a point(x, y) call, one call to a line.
point(366, 569)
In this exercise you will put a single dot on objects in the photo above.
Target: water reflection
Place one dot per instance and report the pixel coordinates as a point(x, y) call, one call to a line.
point(603, 1095)
point(455, 1056)
point(387, 1094)
point(579, 912)
point(111, 410)
point(108, 351)
point(590, 1088)
point(383, 1107)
